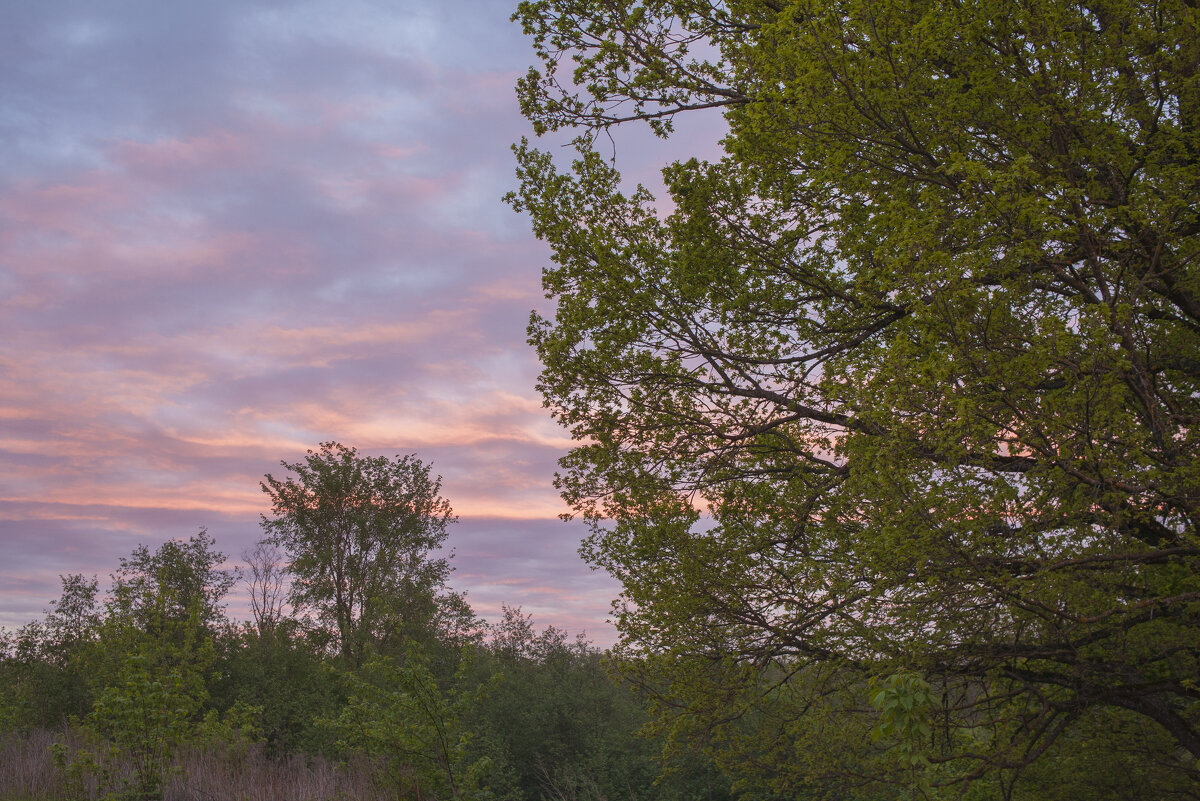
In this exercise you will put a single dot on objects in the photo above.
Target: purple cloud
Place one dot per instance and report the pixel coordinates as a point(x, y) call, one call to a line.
point(232, 230)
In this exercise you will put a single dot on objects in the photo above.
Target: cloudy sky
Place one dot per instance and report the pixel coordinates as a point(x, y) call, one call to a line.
point(233, 229)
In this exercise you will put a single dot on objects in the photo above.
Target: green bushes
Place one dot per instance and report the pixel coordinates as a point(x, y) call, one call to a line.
point(152, 693)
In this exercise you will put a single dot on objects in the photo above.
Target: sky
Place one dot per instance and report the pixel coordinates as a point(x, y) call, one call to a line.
point(231, 230)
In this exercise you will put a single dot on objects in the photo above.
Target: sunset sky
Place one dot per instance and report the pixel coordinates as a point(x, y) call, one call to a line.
point(231, 230)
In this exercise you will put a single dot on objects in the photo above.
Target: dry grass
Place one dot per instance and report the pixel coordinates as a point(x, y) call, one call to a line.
point(26, 770)
point(28, 773)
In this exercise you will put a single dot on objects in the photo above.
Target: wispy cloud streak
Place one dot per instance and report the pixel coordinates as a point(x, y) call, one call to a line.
point(232, 230)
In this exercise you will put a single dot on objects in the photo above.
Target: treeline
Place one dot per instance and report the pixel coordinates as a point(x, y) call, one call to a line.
point(149, 691)
point(360, 664)
point(362, 675)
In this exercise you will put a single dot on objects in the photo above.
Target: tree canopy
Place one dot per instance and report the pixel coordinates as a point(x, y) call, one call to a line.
point(360, 533)
point(181, 580)
point(907, 382)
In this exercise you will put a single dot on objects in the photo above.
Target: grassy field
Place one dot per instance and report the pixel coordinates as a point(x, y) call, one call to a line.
point(28, 773)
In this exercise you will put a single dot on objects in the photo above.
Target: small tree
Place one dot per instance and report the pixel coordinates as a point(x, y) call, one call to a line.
point(359, 531)
point(180, 581)
point(166, 605)
point(267, 585)
point(157, 640)
point(145, 716)
point(45, 665)
point(399, 714)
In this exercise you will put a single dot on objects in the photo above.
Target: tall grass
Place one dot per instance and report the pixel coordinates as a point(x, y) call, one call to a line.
point(28, 773)
point(26, 770)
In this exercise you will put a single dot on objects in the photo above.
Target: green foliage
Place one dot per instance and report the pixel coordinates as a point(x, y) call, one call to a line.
point(567, 729)
point(138, 723)
point(164, 608)
point(1111, 754)
point(146, 716)
point(151, 665)
point(181, 581)
point(229, 737)
point(921, 349)
point(359, 532)
point(285, 678)
point(46, 665)
point(398, 713)
point(520, 715)
point(771, 733)
point(80, 770)
point(904, 702)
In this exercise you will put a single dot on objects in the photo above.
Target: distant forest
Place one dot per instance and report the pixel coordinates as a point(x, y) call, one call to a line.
point(362, 674)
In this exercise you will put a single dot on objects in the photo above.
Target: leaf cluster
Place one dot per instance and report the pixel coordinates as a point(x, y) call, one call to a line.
point(906, 381)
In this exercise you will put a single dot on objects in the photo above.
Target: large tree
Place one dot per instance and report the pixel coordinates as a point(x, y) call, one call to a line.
point(361, 534)
point(907, 382)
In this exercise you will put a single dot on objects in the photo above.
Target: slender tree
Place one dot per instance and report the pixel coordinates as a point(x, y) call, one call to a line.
point(267, 584)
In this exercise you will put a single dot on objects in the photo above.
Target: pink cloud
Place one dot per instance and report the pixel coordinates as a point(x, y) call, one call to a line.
point(168, 158)
point(222, 248)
